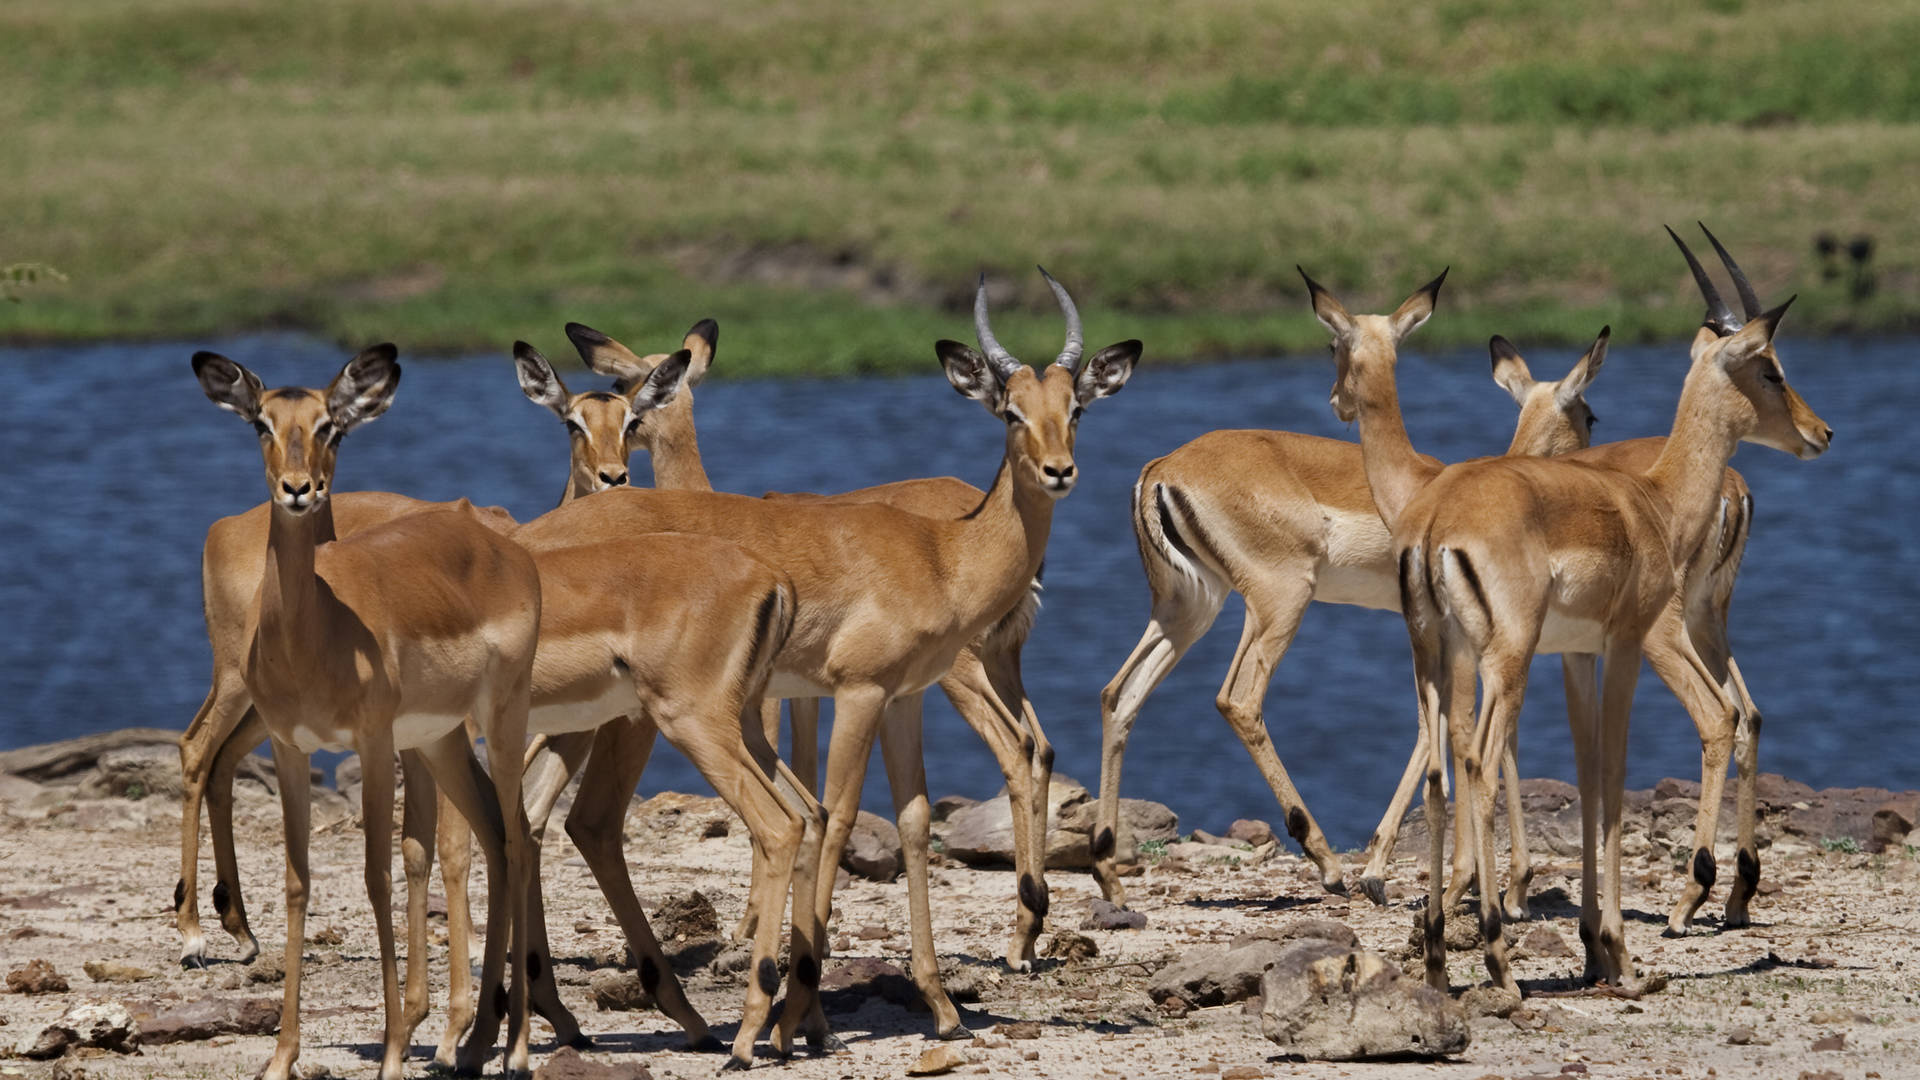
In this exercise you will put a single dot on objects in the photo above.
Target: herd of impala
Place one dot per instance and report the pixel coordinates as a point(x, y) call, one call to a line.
point(382, 624)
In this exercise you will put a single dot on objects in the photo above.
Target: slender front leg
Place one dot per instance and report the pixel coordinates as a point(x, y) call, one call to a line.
point(1432, 675)
point(1520, 872)
point(1503, 678)
point(375, 746)
point(1580, 673)
point(1001, 658)
point(290, 769)
point(1622, 673)
point(473, 798)
point(454, 838)
point(1746, 743)
point(226, 716)
point(1671, 653)
point(974, 698)
point(419, 811)
point(900, 749)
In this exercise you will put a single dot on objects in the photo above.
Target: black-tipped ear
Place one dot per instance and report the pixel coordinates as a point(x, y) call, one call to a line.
point(1418, 308)
point(1510, 371)
point(364, 388)
point(967, 369)
point(605, 356)
point(1328, 310)
point(1753, 338)
point(1107, 372)
point(229, 385)
point(1581, 377)
point(703, 340)
point(538, 380)
point(663, 383)
point(585, 337)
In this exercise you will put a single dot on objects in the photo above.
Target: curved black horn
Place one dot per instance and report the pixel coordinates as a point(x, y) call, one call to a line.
point(1002, 360)
point(1749, 300)
point(1076, 344)
point(1719, 318)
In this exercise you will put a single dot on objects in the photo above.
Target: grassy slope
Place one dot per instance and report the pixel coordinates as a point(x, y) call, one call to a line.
point(826, 179)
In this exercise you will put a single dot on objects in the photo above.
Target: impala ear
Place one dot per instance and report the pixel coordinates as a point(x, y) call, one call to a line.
point(663, 383)
point(1106, 373)
point(364, 388)
point(1576, 381)
point(702, 342)
point(967, 369)
point(1703, 337)
point(1328, 310)
point(605, 356)
point(1416, 309)
point(538, 380)
point(1510, 372)
point(1752, 339)
point(229, 385)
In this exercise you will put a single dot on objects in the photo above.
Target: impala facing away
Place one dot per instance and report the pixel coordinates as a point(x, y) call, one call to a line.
point(885, 602)
point(1284, 520)
point(1501, 558)
point(384, 641)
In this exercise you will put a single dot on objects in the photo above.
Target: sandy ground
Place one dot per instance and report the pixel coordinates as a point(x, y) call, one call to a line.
point(1834, 952)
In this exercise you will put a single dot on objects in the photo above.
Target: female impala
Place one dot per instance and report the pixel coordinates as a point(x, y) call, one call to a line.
point(380, 642)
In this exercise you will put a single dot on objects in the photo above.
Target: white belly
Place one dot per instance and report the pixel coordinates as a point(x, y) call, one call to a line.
point(1360, 586)
point(786, 685)
point(1561, 633)
point(414, 730)
point(558, 719)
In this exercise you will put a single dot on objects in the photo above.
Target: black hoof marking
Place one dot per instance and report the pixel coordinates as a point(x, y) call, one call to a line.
point(1297, 825)
point(649, 974)
point(1490, 926)
point(1338, 886)
point(807, 972)
point(222, 900)
point(1026, 748)
point(769, 976)
point(825, 1044)
point(959, 1032)
point(1032, 897)
point(533, 966)
point(1103, 844)
point(1748, 867)
point(500, 999)
point(1375, 890)
point(1046, 758)
point(193, 963)
point(735, 1064)
point(180, 894)
point(1704, 868)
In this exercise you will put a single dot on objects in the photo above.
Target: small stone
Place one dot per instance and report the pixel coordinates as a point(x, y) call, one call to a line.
point(1831, 1042)
point(1175, 1006)
point(1573, 1068)
point(37, 977)
point(871, 932)
point(618, 991)
point(567, 1064)
point(267, 968)
point(873, 848)
point(1544, 942)
point(327, 935)
point(1030, 1055)
point(1250, 831)
point(206, 1018)
point(1104, 915)
point(940, 1059)
point(1826, 1074)
point(1022, 1029)
point(106, 1025)
point(1242, 1072)
point(1071, 947)
point(1493, 1001)
point(585, 927)
point(110, 971)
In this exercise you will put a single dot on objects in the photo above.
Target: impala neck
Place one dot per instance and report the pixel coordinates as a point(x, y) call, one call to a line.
point(290, 604)
point(1395, 470)
point(676, 447)
point(1692, 465)
point(1002, 543)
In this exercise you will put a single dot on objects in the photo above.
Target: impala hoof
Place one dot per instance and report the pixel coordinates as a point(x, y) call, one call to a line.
point(735, 1064)
point(1375, 889)
point(959, 1032)
point(828, 1043)
point(1336, 885)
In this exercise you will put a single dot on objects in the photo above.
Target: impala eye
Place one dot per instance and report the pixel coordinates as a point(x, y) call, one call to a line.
point(1591, 420)
point(1776, 378)
point(261, 427)
point(574, 428)
point(1012, 417)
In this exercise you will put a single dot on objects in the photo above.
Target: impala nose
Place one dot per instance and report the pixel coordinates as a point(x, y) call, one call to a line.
point(613, 479)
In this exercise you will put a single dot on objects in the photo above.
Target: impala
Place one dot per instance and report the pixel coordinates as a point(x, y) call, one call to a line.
point(387, 640)
point(1502, 558)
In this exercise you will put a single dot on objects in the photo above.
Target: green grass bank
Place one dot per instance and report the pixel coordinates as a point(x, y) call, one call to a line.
point(826, 179)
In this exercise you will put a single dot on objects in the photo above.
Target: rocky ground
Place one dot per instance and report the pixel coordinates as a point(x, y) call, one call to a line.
point(1823, 985)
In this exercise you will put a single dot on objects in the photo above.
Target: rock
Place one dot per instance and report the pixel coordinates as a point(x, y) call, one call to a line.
point(734, 960)
point(1202, 836)
point(1071, 947)
point(1492, 1001)
point(966, 979)
point(1216, 976)
point(1836, 814)
point(1175, 1006)
point(1831, 1042)
point(686, 918)
point(107, 1025)
point(135, 772)
point(873, 849)
point(1023, 1029)
point(1301, 929)
point(113, 971)
point(567, 1064)
point(1242, 1072)
point(614, 990)
point(1103, 915)
point(981, 834)
point(1894, 819)
point(1347, 1005)
point(17, 792)
point(36, 977)
point(1545, 941)
point(205, 1018)
point(327, 935)
point(849, 985)
point(1740, 1036)
point(1250, 831)
point(945, 805)
point(66, 761)
point(941, 1059)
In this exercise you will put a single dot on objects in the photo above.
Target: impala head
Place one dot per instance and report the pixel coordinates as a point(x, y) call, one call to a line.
point(1041, 408)
point(1749, 382)
point(1554, 416)
point(1367, 346)
point(605, 428)
point(300, 429)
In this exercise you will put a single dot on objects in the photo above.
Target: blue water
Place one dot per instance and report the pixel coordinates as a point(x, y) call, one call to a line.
point(115, 464)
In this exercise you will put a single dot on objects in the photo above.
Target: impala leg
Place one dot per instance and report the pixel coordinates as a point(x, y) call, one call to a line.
point(454, 839)
point(1461, 720)
point(375, 747)
point(506, 742)
point(1580, 673)
point(552, 769)
point(857, 712)
point(1503, 676)
point(1671, 653)
point(1002, 662)
point(900, 748)
point(474, 800)
point(1746, 743)
point(223, 712)
point(418, 814)
point(1273, 616)
point(1373, 880)
point(1432, 673)
point(1520, 870)
point(1622, 673)
point(973, 697)
point(620, 753)
point(290, 770)
point(805, 713)
point(228, 902)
